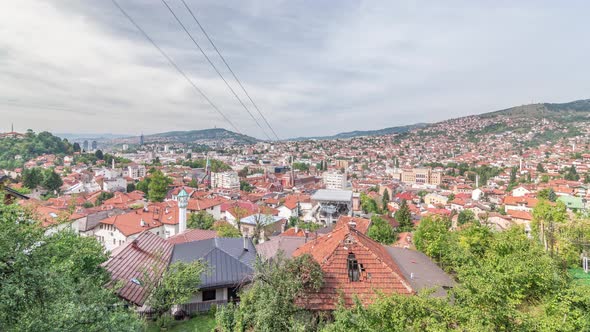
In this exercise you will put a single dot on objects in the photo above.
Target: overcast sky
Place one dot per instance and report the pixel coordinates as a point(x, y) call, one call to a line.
point(313, 67)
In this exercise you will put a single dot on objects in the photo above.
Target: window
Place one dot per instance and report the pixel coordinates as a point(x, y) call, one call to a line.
point(209, 295)
point(114, 241)
point(354, 273)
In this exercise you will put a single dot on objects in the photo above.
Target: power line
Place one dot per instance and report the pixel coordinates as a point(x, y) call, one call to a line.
point(173, 64)
point(214, 67)
point(229, 68)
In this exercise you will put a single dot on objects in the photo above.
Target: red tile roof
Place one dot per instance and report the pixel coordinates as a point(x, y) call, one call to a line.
point(379, 272)
point(192, 235)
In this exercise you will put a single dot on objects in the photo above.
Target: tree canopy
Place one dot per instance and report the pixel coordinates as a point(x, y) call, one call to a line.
point(30, 146)
point(200, 220)
point(54, 283)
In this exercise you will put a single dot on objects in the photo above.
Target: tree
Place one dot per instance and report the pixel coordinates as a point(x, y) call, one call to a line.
point(404, 217)
point(200, 220)
point(225, 229)
point(32, 177)
point(381, 231)
point(385, 199)
point(178, 284)
point(54, 283)
point(158, 186)
point(368, 205)
point(51, 180)
point(571, 174)
point(432, 237)
point(144, 186)
point(451, 197)
point(466, 216)
point(245, 186)
point(99, 155)
point(103, 196)
point(76, 147)
point(269, 303)
point(130, 187)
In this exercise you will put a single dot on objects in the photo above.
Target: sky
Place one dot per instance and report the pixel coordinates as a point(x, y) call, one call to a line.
point(314, 68)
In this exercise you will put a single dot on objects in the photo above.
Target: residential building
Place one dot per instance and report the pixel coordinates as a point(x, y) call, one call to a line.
point(335, 180)
point(225, 180)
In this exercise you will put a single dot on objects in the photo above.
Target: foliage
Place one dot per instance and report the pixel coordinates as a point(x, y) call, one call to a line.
point(177, 285)
point(301, 167)
point(225, 229)
point(54, 283)
point(381, 231)
point(385, 199)
point(51, 180)
point(466, 216)
point(200, 220)
point(103, 196)
point(269, 302)
point(144, 186)
point(158, 186)
point(30, 146)
point(571, 174)
point(99, 155)
point(215, 164)
point(130, 187)
point(404, 217)
point(32, 177)
point(245, 186)
point(368, 205)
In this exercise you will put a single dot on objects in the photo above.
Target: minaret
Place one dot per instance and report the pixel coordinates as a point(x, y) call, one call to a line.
point(113, 166)
point(182, 204)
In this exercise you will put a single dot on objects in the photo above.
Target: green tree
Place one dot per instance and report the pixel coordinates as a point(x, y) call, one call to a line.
point(540, 168)
point(385, 199)
point(54, 283)
point(245, 186)
point(571, 174)
point(381, 231)
point(51, 180)
point(103, 196)
point(200, 220)
point(32, 177)
point(368, 205)
point(99, 155)
point(225, 229)
point(158, 186)
point(404, 217)
point(130, 187)
point(466, 216)
point(144, 186)
point(269, 303)
point(178, 284)
point(76, 147)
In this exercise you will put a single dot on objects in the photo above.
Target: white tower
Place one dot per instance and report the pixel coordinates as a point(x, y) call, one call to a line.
point(182, 204)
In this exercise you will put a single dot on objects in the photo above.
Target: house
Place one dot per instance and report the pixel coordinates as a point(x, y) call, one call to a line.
point(161, 219)
point(572, 203)
point(355, 266)
point(524, 203)
point(129, 263)
point(230, 265)
point(191, 235)
point(269, 223)
point(520, 191)
point(209, 205)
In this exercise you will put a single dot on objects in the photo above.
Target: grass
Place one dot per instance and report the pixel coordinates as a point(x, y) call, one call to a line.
point(580, 276)
point(200, 323)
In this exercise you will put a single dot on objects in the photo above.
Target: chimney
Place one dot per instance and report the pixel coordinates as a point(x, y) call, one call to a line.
point(245, 242)
point(142, 223)
point(352, 224)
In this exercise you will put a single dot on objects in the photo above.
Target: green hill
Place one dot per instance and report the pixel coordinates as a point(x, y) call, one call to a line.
point(30, 146)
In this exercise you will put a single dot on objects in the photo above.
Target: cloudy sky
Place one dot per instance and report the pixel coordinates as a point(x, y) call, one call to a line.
point(313, 67)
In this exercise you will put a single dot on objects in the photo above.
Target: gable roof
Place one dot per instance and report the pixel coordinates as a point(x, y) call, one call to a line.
point(379, 271)
point(131, 260)
point(228, 263)
point(192, 235)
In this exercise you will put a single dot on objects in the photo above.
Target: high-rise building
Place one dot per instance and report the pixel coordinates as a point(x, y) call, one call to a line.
point(225, 180)
point(334, 180)
point(94, 145)
point(85, 146)
point(141, 139)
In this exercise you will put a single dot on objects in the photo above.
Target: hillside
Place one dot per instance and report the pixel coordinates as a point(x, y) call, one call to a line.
point(15, 151)
point(204, 136)
point(377, 132)
point(524, 126)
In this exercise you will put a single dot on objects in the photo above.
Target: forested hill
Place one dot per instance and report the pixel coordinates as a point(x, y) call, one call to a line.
point(30, 146)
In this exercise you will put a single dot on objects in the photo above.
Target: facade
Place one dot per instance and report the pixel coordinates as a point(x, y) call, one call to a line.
point(334, 180)
point(136, 171)
point(435, 199)
point(225, 180)
point(421, 176)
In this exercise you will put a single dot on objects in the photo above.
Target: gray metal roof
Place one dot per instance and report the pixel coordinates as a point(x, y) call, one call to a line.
point(426, 274)
point(332, 195)
point(228, 263)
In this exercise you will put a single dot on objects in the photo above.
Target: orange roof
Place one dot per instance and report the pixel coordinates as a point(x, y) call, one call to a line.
point(204, 203)
point(192, 235)
point(154, 216)
point(524, 215)
point(362, 224)
point(378, 270)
